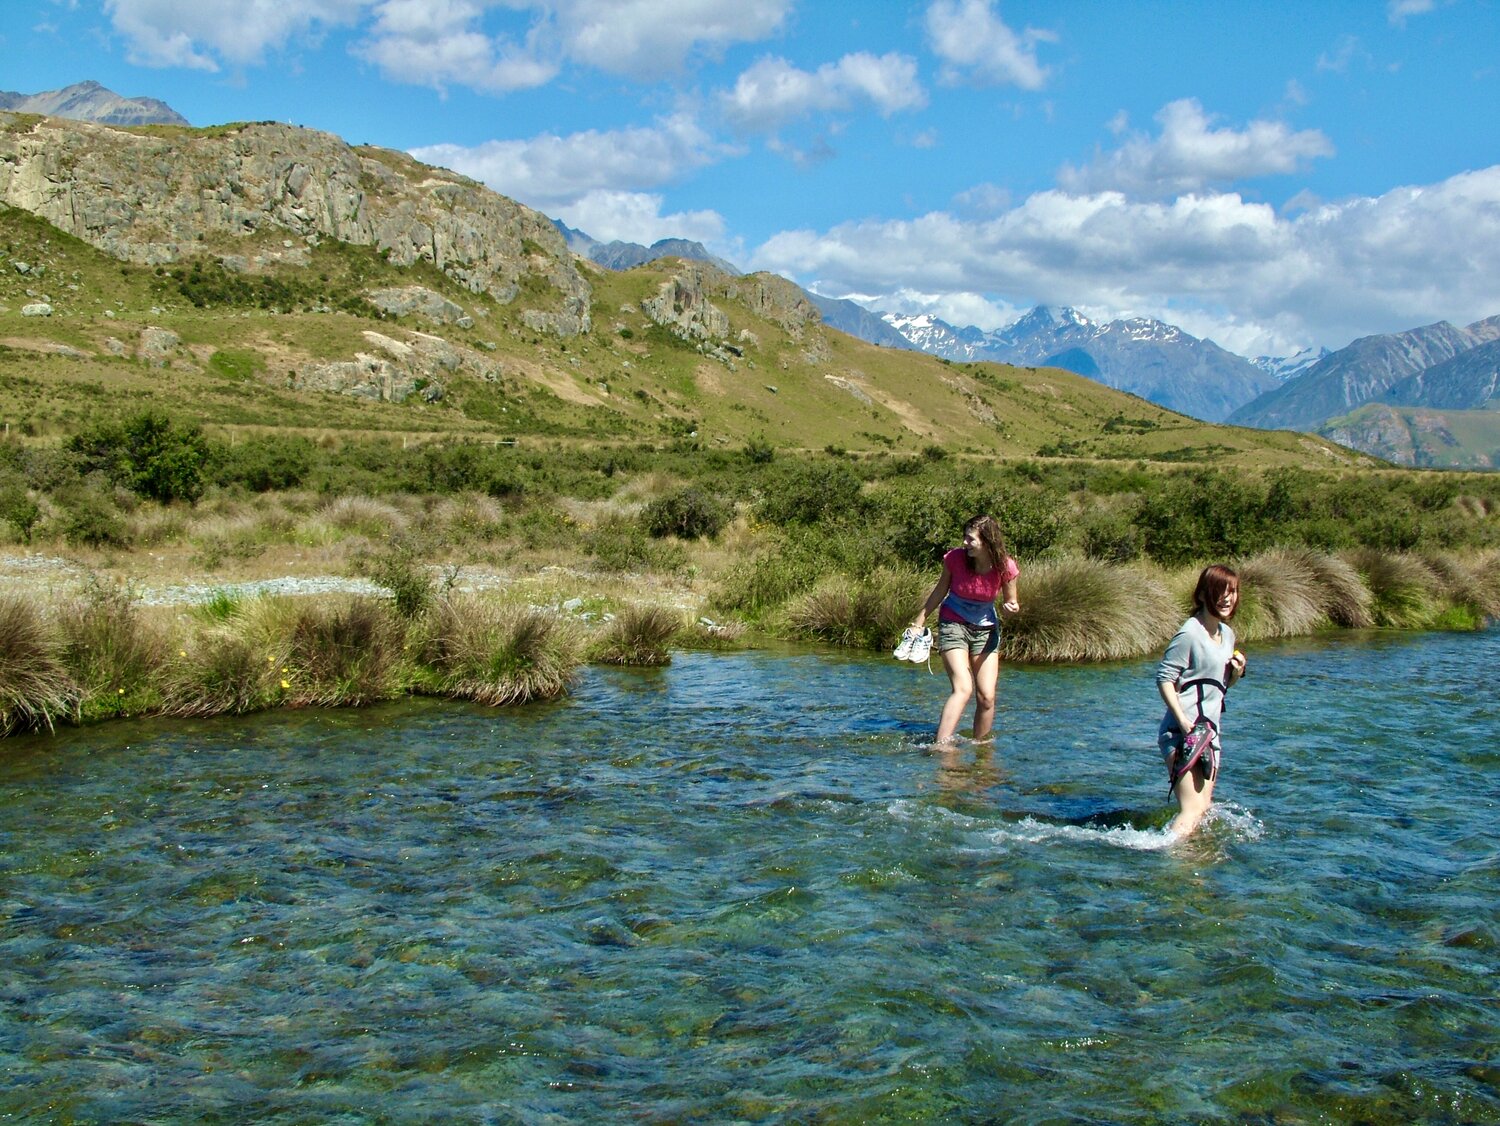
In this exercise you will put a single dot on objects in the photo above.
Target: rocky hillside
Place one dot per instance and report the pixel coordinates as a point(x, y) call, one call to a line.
point(157, 195)
point(1468, 381)
point(1353, 376)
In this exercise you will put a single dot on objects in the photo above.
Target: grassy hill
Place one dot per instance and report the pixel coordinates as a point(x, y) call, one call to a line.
point(246, 338)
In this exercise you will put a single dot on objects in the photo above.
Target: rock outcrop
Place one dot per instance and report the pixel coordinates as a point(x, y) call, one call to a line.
point(157, 198)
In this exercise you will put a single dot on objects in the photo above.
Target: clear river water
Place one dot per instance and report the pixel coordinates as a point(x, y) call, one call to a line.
point(742, 889)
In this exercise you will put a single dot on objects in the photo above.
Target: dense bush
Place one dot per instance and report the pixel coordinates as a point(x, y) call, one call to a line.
point(148, 453)
point(690, 513)
point(266, 462)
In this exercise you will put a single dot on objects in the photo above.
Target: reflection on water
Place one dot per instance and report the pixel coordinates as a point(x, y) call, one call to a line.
point(745, 888)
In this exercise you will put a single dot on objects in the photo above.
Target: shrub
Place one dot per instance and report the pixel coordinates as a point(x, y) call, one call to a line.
point(17, 507)
point(266, 462)
point(90, 518)
point(807, 493)
point(689, 514)
point(398, 568)
point(148, 453)
point(35, 688)
point(482, 651)
point(1110, 537)
point(1083, 610)
point(622, 545)
point(639, 635)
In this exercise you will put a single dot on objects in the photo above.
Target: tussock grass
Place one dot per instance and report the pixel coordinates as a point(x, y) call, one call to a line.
point(1280, 596)
point(1085, 610)
point(359, 515)
point(468, 518)
point(495, 654)
point(843, 611)
point(110, 651)
point(1468, 583)
point(340, 654)
point(1345, 598)
point(1404, 589)
point(35, 688)
point(639, 635)
point(218, 672)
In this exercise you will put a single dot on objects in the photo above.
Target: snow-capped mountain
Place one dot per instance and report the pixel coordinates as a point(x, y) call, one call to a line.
point(1147, 357)
point(1287, 367)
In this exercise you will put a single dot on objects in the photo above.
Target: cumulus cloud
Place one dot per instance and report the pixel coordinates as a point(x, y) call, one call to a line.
point(550, 172)
point(637, 217)
point(1398, 11)
point(1234, 270)
point(440, 44)
point(199, 34)
point(648, 39)
point(976, 45)
point(1190, 154)
point(489, 45)
point(773, 91)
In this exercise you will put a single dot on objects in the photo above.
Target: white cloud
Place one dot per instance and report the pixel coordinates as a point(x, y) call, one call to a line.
point(648, 39)
point(1227, 267)
point(773, 92)
point(975, 44)
point(1397, 11)
point(442, 42)
point(199, 33)
point(552, 172)
point(637, 217)
point(452, 42)
point(1190, 155)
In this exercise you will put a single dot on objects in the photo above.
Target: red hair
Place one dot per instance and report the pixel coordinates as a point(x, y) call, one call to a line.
point(1213, 583)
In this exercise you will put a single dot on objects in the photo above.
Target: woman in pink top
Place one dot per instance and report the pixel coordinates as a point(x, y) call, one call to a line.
point(968, 626)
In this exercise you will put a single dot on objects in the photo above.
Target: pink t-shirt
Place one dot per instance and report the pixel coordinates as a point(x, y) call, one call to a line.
point(968, 586)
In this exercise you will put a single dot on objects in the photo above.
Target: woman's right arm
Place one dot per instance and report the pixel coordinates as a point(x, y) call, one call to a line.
point(939, 592)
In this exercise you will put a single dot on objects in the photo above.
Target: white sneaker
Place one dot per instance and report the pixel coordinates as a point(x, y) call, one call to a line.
point(908, 639)
point(921, 646)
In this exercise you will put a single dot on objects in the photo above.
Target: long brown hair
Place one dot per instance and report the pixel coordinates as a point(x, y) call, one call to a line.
point(991, 536)
point(1212, 583)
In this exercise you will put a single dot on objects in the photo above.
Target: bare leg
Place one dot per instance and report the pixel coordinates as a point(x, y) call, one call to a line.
point(986, 672)
point(956, 661)
point(1195, 794)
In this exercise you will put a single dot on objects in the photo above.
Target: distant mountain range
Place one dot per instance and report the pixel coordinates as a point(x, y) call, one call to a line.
point(626, 255)
point(1432, 370)
point(1149, 358)
point(89, 101)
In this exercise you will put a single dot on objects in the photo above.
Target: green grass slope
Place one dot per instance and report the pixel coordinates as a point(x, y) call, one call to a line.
point(244, 339)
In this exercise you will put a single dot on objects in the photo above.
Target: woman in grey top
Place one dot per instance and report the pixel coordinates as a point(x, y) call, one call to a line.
point(1198, 667)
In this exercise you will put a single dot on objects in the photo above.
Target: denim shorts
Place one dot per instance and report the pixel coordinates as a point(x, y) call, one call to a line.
point(978, 640)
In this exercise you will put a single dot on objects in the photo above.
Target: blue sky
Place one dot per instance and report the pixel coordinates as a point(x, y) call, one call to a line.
point(1273, 176)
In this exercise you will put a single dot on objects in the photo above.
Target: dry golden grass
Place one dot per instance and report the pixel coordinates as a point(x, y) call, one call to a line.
point(638, 635)
point(482, 650)
point(1280, 596)
point(35, 688)
point(1084, 610)
point(1404, 589)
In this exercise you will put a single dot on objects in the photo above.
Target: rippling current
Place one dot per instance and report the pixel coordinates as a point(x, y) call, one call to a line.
point(743, 889)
